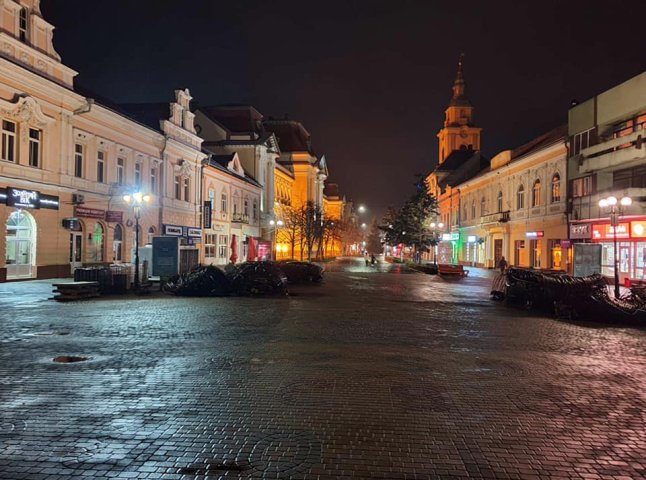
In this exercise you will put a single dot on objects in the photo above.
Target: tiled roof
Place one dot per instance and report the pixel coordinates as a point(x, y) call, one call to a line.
point(235, 118)
point(292, 136)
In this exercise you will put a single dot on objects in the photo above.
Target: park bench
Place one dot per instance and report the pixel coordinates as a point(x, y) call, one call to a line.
point(452, 270)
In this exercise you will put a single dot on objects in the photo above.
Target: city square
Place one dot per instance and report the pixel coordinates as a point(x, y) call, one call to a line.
point(379, 372)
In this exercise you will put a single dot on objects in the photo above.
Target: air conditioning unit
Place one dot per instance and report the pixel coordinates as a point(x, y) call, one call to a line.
point(78, 198)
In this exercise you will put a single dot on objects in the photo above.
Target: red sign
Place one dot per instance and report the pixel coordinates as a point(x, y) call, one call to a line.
point(114, 217)
point(89, 212)
point(606, 232)
point(538, 234)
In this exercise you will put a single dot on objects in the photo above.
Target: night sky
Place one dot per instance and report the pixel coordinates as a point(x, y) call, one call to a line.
point(370, 80)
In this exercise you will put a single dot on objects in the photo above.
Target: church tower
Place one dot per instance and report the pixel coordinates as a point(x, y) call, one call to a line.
point(459, 132)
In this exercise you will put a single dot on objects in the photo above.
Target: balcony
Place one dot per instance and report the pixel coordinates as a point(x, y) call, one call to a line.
point(618, 152)
point(498, 217)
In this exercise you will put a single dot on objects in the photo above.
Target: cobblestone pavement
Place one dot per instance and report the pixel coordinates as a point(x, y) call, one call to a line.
point(374, 374)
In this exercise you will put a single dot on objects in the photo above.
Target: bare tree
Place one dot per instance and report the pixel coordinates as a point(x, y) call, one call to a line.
point(290, 232)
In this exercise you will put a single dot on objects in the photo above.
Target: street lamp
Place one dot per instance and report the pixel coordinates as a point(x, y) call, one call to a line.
point(362, 208)
point(276, 225)
point(616, 211)
point(364, 226)
point(137, 199)
point(436, 231)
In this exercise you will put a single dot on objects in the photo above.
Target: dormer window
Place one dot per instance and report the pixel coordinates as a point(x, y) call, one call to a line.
point(22, 25)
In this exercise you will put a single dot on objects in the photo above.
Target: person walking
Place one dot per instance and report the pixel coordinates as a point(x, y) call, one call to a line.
point(502, 264)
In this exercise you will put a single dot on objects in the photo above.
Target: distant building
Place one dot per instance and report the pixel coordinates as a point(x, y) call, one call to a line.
point(607, 156)
point(459, 159)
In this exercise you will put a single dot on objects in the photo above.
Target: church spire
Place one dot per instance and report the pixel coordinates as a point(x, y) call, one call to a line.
point(459, 99)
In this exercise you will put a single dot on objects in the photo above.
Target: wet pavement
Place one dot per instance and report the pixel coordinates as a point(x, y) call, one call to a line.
point(377, 373)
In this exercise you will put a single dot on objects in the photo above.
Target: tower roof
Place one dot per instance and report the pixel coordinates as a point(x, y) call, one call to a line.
point(459, 99)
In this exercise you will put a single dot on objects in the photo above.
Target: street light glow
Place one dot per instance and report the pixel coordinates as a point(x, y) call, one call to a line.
point(279, 223)
point(126, 198)
point(626, 201)
point(363, 225)
point(441, 225)
point(612, 201)
point(603, 203)
point(362, 208)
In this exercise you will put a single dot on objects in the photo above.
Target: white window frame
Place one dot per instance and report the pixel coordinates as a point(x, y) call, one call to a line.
point(153, 179)
point(224, 203)
point(520, 197)
point(79, 156)
point(223, 246)
point(100, 166)
point(9, 144)
point(35, 147)
point(121, 170)
point(138, 174)
point(536, 193)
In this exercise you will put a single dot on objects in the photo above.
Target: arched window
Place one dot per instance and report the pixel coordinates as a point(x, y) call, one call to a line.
point(483, 206)
point(520, 198)
point(500, 201)
point(556, 188)
point(20, 245)
point(117, 244)
point(536, 193)
point(97, 239)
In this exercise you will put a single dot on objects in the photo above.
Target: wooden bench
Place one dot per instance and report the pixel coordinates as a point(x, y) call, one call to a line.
point(75, 291)
point(452, 270)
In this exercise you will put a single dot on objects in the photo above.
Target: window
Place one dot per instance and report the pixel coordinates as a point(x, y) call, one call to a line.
point(100, 167)
point(153, 179)
point(78, 160)
point(210, 241)
point(138, 174)
point(255, 210)
point(8, 141)
point(117, 244)
point(464, 213)
point(34, 147)
point(629, 178)
point(555, 254)
point(473, 209)
point(483, 207)
point(223, 246)
point(582, 140)
point(500, 201)
point(556, 188)
point(582, 187)
point(121, 166)
point(224, 206)
point(535, 253)
point(187, 190)
point(22, 25)
point(178, 187)
point(245, 212)
point(536, 193)
point(520, 198)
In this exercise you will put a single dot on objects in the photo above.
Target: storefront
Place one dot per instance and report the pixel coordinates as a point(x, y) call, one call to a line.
point(631, 248)
point(21, 230)
point(448, 249)
point(190, 237)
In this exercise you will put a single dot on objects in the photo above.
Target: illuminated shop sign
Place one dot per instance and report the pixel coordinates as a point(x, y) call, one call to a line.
point(580, 231)
point(194, 232)
point(538, 234)
point(638, 229)
point(182, 231)
point(173, 230)
point(446, 237)
point(450, 236)
point(603, 232)
point(472, 239)
point(25, 198)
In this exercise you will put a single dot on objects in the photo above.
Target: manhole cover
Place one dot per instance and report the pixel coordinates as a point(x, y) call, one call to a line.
point(70, 359)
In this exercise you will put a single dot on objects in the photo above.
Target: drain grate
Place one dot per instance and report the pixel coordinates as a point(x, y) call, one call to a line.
point(48, 333)
point(208, 467)
point(70, 359)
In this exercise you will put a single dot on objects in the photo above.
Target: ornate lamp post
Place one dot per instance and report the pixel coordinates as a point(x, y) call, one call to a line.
point(616, 209)
point(436, 232)
point(276, 225)
point(137, 199)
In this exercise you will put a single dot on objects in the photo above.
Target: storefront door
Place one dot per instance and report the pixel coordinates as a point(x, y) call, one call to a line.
point(20, 245)
point(76, 250)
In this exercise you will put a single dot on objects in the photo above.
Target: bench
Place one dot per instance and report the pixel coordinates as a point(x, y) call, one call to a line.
point(70, 291)
point(452, 270)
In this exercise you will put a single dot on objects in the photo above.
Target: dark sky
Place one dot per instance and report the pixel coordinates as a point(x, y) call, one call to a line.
point(369, 79)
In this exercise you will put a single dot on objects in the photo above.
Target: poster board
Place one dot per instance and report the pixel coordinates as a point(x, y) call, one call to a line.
point(165, 256)
point(587, 259)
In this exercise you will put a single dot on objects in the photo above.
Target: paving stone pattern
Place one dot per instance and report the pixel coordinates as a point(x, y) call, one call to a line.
point(377, 373)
